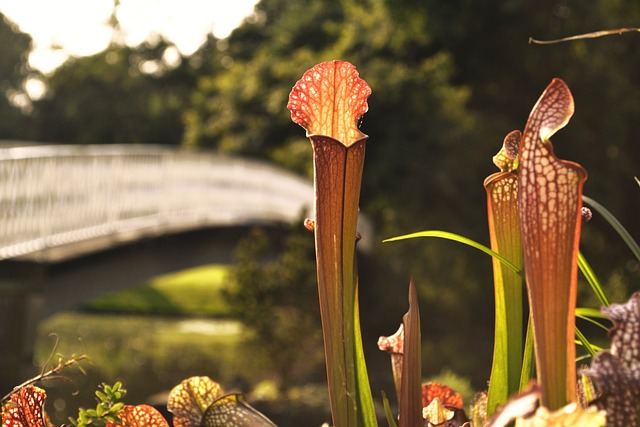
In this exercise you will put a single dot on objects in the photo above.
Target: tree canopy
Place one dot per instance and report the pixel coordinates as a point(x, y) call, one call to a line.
point(14, 68)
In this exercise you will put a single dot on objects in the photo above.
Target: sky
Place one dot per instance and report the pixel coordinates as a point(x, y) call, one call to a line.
point(63, 28)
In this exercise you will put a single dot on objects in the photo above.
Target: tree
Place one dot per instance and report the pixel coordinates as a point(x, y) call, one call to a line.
point(14, 69)
point(121, 95)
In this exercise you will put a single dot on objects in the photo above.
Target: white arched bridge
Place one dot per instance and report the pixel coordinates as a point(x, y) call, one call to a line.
point(52, 197)
point(78, 221)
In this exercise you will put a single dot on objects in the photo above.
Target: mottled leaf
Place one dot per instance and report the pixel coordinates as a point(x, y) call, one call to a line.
point(507, 158)
point(625, 334)
point(504, 231)
point(446, 395)
point(141, 416)
point(619, 388)
point(232, 410)
point(329, 100)
point(617, 372)
point(189, 400)
point(549, 204)
point(394, 345)
point(25, 408)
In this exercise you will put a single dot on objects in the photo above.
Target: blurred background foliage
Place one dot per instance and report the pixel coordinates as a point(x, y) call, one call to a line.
point(449, 80)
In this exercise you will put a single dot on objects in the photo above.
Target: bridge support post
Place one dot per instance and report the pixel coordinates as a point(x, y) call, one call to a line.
point(18, 322)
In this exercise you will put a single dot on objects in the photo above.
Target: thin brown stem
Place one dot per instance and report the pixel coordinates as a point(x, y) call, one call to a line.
point(51, 373)
point(593, 35)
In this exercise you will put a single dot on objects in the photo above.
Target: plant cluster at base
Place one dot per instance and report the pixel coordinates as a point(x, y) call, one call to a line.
point(535, 217)
point(195, 402)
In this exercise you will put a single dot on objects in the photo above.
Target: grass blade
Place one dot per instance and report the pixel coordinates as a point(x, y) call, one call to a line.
point(588, 273)
point(588, 315)
point(613, 221)
point(387, 411)
point(457, 238)
point(591, 349)
point(527, 358)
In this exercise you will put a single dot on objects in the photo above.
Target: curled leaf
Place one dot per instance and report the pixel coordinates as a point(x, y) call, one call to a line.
point(394, 345)
point(329, 100)
point(506, 159)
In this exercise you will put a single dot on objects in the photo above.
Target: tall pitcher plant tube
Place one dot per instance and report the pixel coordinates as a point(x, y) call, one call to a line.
point(328, 101)
point(549, 204)
point(504, 231)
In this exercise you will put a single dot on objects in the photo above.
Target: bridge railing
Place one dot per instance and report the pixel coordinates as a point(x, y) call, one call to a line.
point(56, 195)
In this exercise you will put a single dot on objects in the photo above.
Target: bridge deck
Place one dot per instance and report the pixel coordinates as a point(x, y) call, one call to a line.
point(59, 196)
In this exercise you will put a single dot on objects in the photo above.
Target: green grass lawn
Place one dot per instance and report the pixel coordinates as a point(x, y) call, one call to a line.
point(193, 292)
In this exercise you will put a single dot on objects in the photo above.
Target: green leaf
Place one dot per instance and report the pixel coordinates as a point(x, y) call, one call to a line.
point(588, 273)
point(457, 238)
point(585, 343)
point(100, 410)
point(363, 389)
point(117, 407)
point(527, 358)
point(589, 314)
point(387, 411)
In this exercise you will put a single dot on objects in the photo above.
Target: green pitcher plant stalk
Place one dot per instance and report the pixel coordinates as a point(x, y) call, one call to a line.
point(504, 233)
point(327, 102)
point(549, 205)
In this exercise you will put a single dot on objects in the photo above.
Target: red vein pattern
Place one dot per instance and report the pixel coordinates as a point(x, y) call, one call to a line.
point(26, 408)
point(549, 203)
point(189, 400)
point(232, 410)
point(447, 395)
point(329, 100)
point(504, 232)
point(141, 416)
point(617, 372)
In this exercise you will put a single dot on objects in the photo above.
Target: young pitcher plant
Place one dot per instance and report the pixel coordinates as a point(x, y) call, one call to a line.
point(504, 232)
point(327, 102)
